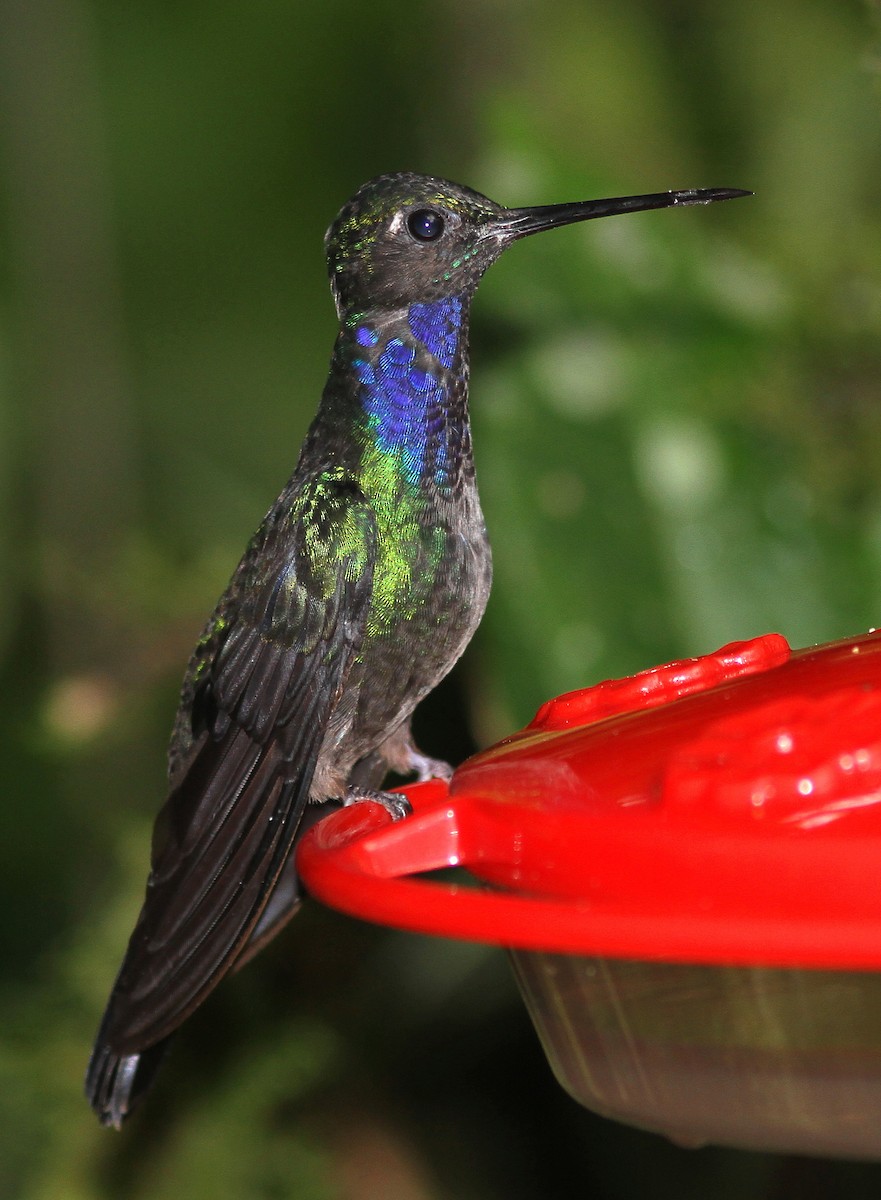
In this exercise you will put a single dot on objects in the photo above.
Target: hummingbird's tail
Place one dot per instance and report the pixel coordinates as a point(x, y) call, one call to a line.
point(116, 1082)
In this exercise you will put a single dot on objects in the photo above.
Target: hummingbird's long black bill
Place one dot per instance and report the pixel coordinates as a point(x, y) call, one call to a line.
point(519, 222)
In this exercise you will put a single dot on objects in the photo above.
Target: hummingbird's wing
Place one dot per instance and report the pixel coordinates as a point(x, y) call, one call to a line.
point(287, 895)
point(261, 708)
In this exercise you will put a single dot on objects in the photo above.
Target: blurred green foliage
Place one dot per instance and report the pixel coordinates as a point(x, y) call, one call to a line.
point(678, 434)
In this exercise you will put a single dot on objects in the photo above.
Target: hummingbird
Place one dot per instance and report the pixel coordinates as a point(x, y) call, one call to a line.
point(359, 591)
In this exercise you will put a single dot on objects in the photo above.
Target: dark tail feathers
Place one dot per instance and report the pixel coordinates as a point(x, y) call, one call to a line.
point(115, 1083)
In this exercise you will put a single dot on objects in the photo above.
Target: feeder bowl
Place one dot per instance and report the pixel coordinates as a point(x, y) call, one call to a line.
point(685, 867)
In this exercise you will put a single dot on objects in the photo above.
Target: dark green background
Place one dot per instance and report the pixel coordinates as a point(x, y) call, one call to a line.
point(677, 428)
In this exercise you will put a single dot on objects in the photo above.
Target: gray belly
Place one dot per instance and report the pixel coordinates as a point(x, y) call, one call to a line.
point(409, 658)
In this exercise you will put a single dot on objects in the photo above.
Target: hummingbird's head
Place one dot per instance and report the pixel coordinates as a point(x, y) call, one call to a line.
point(405, 238)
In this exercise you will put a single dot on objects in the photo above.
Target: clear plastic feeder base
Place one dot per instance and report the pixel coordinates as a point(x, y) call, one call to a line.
point(754, 1057)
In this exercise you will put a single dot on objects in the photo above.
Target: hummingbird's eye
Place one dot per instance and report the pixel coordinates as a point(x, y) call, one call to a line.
point(425, 224)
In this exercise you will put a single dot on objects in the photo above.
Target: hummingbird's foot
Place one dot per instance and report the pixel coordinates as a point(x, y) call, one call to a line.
point(429, 768)
point(399, 753)
point(396, 806)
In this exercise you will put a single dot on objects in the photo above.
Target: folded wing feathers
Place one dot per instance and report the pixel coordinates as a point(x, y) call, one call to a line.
point(231, 820)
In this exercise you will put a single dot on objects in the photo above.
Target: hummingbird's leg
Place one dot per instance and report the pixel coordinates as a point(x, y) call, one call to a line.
point(429, 768)
point(402, 756)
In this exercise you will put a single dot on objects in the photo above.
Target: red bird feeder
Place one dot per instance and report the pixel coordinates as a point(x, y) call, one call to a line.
point(686, 868)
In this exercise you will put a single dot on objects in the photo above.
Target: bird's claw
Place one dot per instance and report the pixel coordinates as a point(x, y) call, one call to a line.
point(397, 806)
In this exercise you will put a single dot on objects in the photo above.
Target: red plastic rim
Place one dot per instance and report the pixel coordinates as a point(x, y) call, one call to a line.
point(722, 810)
